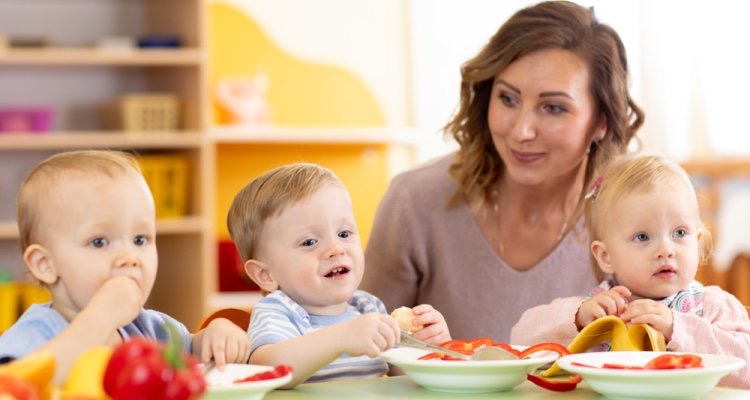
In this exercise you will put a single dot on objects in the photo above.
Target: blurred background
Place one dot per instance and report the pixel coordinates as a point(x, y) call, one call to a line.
point(211, 93)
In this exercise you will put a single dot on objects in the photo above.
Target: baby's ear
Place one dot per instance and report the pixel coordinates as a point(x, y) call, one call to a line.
point(259, 273)
point(599, 250)
point(40, 264)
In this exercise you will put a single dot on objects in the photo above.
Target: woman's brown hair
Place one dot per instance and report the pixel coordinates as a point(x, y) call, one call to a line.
point(547, 25)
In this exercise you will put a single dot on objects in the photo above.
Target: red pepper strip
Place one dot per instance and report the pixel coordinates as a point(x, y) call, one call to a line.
point(558, 383)
point(556, 347)
point(673, 361)
point(507, 348)
point(620, 366)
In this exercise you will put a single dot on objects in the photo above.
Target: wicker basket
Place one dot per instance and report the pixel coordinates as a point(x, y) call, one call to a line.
point(142, 113)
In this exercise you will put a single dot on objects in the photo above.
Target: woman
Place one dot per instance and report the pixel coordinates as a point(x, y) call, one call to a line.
point(496, 228)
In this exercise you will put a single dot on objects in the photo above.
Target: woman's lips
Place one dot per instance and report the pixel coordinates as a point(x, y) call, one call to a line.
point(525, 157)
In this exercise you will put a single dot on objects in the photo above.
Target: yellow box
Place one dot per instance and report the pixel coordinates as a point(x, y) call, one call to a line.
point(32, 293)
point(8, 305)
point(142, 113)
point(167, 177)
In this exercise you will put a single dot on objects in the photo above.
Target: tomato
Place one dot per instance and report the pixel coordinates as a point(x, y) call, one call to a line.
point(556, 347)
point(558, 383)
point(674, 361)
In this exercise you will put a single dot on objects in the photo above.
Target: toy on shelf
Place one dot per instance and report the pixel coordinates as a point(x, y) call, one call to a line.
point(167, 177)
point(145, 112)
point(25, 119)
point(243, 100)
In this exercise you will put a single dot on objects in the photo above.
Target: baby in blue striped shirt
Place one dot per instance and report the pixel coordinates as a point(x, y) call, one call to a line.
point(294, 227)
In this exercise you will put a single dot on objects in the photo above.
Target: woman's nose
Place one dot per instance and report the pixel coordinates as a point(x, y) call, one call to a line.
point(524, 126)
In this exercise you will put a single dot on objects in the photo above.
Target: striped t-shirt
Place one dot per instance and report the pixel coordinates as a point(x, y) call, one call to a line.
point(277, 317)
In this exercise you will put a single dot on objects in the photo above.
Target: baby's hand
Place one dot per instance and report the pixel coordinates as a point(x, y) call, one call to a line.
point(654, 313)
point(223, 341)
point(118, 300)
point(370, 334)
point(435, 329)
point(611, 302)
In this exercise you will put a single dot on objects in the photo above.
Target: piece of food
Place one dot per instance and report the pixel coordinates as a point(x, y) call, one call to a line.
point(141, 369)
point(404, 316)
point(86, 375)
point(277, 372)
point(637, 337)
point(37, 368)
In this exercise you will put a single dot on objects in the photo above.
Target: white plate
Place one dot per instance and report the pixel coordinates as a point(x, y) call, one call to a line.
point(465, 376)
point(623, 384)
point(221, 383)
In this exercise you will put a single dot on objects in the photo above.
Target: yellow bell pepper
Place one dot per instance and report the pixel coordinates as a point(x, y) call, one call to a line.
point(636, 337)
point(86, 375)
point(37, 368)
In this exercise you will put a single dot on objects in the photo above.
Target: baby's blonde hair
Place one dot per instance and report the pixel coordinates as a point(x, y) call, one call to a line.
point(31, 196)
point(630, 174)
point(267, 196)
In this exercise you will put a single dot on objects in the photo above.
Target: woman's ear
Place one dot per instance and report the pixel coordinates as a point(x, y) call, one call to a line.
point(599, 250)
point(600, 129)
point(259, 273)
point(39, 263)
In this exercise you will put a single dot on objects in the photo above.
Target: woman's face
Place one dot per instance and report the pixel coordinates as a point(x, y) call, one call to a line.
point(541, 116)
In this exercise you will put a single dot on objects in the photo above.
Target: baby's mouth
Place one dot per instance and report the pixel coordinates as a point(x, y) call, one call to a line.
point(338, 271)
point(666, 270)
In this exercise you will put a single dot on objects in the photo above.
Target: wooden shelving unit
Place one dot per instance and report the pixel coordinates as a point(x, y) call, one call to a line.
point(74, 78)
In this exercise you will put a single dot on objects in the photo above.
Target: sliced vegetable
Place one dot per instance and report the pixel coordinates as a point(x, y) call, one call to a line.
point(277, 372)
point(558, 383)
point(674, 361)
point(556, 347)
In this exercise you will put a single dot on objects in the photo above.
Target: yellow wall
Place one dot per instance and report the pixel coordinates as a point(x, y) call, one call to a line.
point(363, 170)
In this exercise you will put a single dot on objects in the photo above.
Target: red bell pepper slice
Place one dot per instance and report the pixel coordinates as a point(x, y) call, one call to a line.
point(558, 383)
point(674, 361)
point(556, 347)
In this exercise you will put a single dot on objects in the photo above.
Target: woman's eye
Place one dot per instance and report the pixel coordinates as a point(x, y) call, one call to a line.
point(309, 242)
point(99, 242)
point(641, 237)
point(507, 99)
point(555, 108)
point(140, 240)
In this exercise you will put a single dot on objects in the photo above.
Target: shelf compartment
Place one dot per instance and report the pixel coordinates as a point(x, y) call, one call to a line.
point(100, 140)
point(57, 56)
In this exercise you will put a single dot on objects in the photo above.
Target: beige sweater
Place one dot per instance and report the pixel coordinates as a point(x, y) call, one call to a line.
point(420, 252)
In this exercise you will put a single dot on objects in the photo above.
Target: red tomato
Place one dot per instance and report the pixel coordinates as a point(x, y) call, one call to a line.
point(674, 361)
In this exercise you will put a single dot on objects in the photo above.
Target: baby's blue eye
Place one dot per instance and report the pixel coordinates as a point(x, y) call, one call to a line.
point(680, 233)
point(641, 237)
point(344, 234)
point(140, 240)
point(309, 242)
point(99, 242)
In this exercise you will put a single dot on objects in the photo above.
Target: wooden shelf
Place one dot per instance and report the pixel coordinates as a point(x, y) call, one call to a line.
point(167, 226)
point(103, 139)
point(55, 56)
point(326, 135)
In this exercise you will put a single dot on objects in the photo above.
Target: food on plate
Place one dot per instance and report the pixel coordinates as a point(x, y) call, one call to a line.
point(37, 368)
point(87, 374)
point(664, 361)
point(141, 369)
point(637, 337)
point(277, 372)
point(404, 316)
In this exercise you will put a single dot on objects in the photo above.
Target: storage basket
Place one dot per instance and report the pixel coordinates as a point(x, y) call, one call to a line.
point(167, 177)
point(142, 113)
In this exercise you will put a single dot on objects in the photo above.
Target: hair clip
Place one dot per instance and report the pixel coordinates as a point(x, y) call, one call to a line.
point(594, 188)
